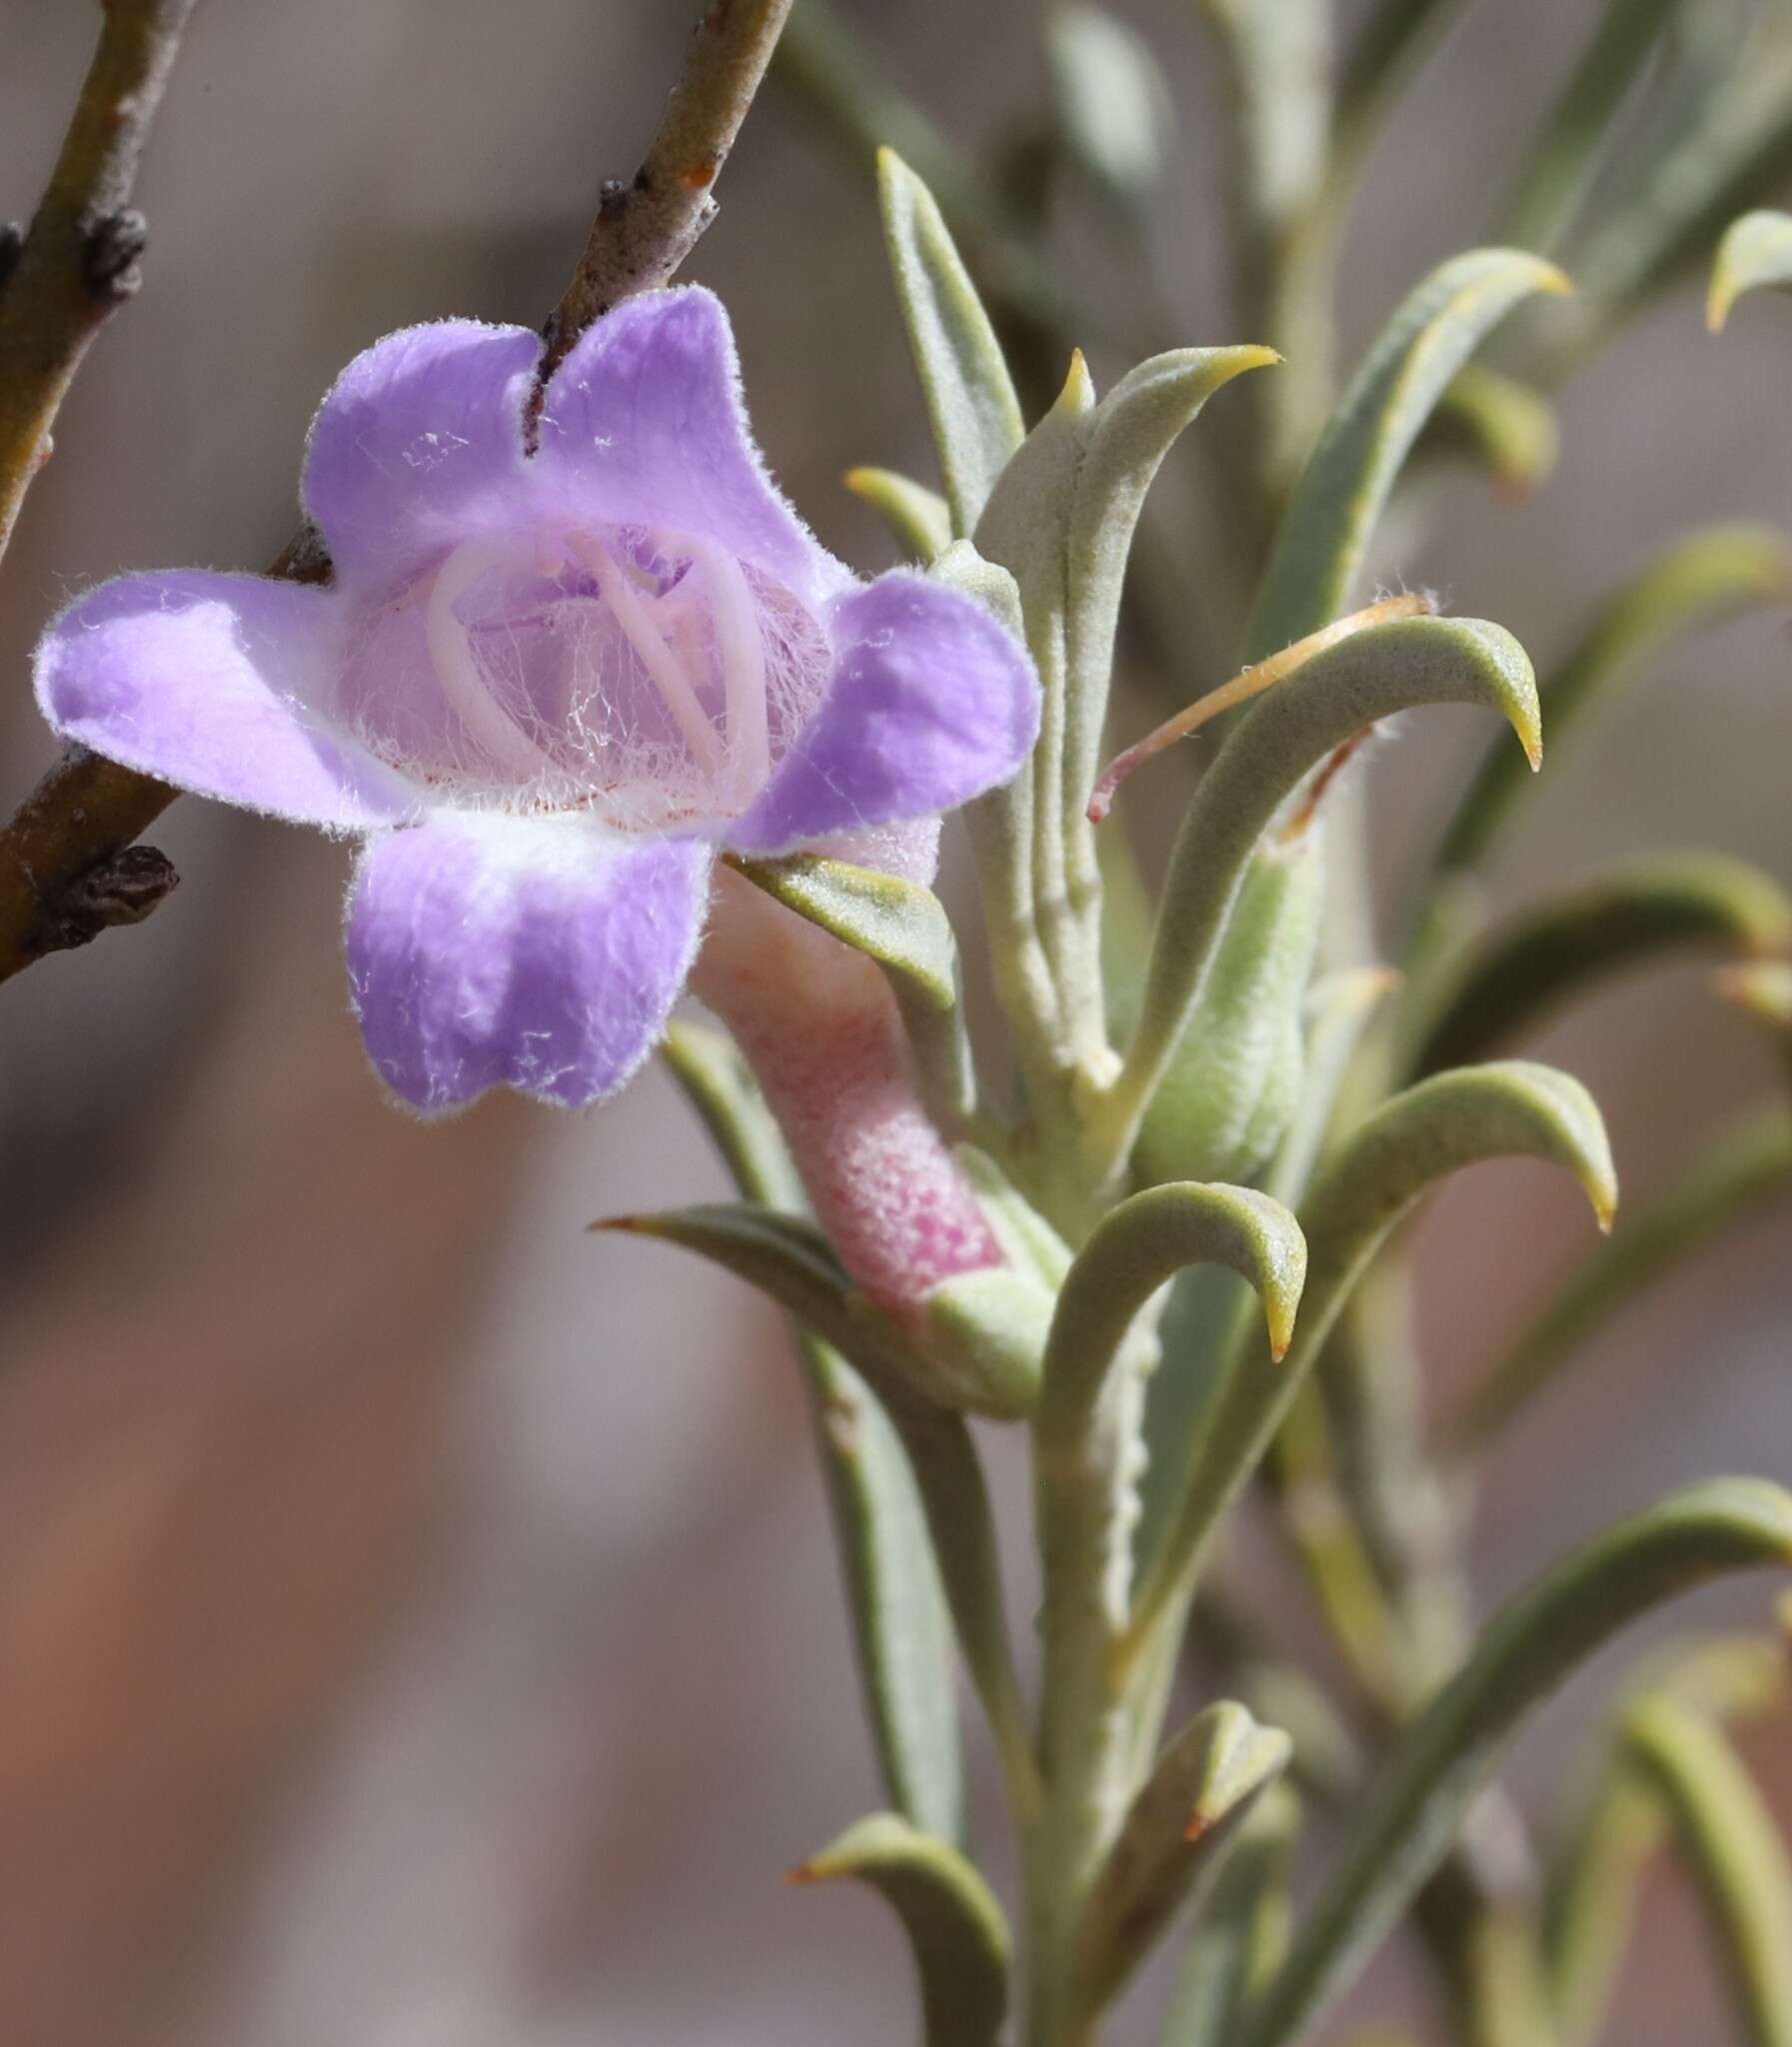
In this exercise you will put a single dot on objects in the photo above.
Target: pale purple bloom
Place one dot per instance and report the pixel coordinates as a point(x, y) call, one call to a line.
point(546, 687)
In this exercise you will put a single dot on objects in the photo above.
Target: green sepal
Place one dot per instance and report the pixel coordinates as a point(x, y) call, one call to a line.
point(1292, 728)
point(920, 519)
point(1339, 495)
point(1754, 255)
point(894, 1595)
point(1514, 979)
point(970, 395)
point(954, 1926)
point(982, 1341)
point(1175, 1834)
point(1113, 109)
point(1702, 576)
point(1446, 1756)
point(900, 924)
point(1235, 1081)
point(905, 929)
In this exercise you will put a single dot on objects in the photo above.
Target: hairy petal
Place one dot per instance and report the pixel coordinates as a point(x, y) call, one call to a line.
point(932, 701)
point(220, 685)
point(419, 444)
point(644, 424)
point(540, 954)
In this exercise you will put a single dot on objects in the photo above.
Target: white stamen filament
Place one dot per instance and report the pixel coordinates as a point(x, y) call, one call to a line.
point(492, 728)
point(664, 671)
point(743, 655)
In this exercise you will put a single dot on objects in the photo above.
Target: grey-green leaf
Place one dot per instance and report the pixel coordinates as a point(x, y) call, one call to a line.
point(1175, 1835)
point(1113, 109)
point(1704, 575)
point(1456, 1120)
point(1512, 980)
point(970, 395)
point(1449, 1753)
point(954, 1924)
point(1325, 531)
point(1754, 255)
point(1730, 1847)
point(1370, 676)
point(1241, 1932)
point(1738, 1174)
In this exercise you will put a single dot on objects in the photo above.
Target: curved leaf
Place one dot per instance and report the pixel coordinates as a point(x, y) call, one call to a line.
point(1524, 1653)
point(1086, 1429)
point(1290, 730)
point(970, 395)
point(1736, 151)
point(894, 1592)
point(1507, 427)
point(1180, 1826)
point(1325, 531)
point(1701, 577)
point(1740, 1171)
point(921, 519)
point(1514, 979)
point(954, 1924)
point(1733, 1850)
point(1754, 255)
point(1419, 1138)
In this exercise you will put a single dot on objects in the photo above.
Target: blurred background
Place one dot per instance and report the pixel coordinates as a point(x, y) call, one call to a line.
point(418, 1622)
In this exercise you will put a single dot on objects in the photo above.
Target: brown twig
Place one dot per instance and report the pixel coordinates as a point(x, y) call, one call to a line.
point(645, 229)
point(78, 264)
point(61, 881)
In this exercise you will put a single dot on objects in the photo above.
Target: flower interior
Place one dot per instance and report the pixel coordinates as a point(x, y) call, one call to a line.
point(645, 675)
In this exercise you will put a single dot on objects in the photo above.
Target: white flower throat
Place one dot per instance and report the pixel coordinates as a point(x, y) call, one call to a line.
point(633, 661)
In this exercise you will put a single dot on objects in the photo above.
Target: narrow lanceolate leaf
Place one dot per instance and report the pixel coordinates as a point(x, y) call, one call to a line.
point(785, 1257)
point(1508, 428)
point(1331, 516)
point(1511, 1109)
point(1241, 1932)
point(893, 1594)
point(1290, 730)
point(1595, 1874)
point(1179, 1829)
point(1568, 146)
point(1517, 977)
point(1739, 1173)
point(970, 399)
point(1449, 1752)
point(921, 519)
point(1754, 255)
point(1703, 575)
point(954, 1924)
point(1731, 1849)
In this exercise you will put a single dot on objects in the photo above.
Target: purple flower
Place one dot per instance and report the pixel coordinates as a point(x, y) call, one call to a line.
point(545, 688)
